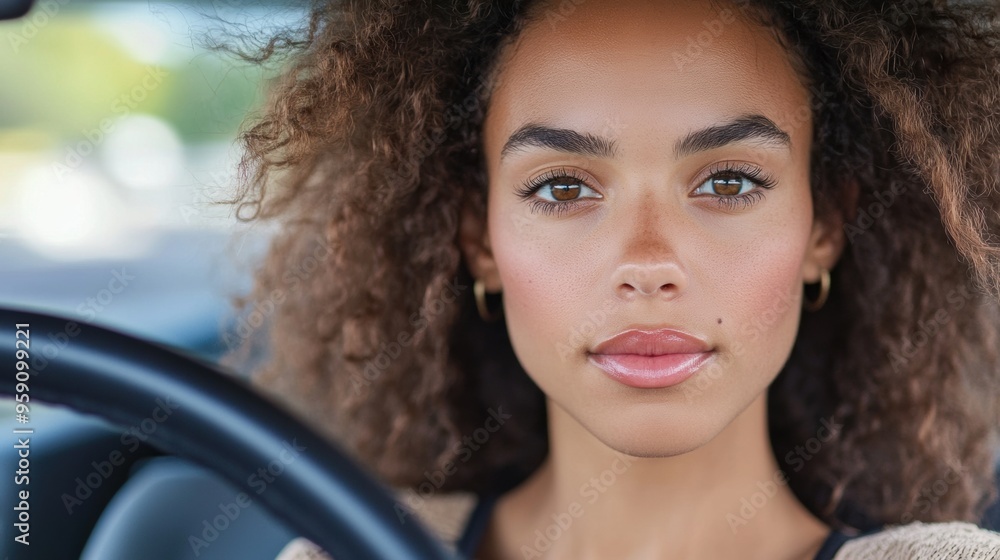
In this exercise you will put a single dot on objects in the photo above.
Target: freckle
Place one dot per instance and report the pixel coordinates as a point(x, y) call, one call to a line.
point(720, 320)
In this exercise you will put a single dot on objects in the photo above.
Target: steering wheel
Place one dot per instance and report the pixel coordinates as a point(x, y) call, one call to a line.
point(219, 422)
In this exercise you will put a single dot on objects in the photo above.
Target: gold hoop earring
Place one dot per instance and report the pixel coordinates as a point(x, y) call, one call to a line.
point(824, 292)
point(479, 289)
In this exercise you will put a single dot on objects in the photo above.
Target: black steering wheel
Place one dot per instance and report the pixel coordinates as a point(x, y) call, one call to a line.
point(219, 422)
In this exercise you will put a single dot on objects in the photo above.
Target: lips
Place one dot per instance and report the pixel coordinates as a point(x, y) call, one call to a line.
point(651, 358)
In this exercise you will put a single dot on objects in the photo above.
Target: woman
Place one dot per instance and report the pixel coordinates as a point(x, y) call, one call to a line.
point(647, 195)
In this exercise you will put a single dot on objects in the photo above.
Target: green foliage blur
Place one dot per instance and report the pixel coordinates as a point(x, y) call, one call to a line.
point(63, 73)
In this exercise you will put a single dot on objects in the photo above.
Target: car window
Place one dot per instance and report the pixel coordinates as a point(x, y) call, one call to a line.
point(116, 138)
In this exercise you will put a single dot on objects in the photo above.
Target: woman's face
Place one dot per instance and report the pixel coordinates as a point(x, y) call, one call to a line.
point(669, 143)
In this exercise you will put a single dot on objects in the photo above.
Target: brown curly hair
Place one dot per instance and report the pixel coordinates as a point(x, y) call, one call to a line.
point(369, 149)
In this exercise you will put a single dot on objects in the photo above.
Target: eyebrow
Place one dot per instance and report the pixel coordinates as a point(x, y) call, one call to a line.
point(746, 128)
point(559, 139)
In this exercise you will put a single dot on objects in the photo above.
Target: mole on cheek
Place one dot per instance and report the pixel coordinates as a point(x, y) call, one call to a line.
point(720, 320)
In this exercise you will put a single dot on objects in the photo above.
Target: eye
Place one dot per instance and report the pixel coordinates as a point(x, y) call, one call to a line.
point(558, 190)
point(735, 185)
point(728, 184)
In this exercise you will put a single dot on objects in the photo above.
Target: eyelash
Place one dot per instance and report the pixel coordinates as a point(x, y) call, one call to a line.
point(747, 171)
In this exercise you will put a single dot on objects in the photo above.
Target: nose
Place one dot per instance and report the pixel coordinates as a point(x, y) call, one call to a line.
point(660, 278)
point(649, 265)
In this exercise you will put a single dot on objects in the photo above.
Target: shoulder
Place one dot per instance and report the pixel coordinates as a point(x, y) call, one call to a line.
point(925, 540)
point(445, 515)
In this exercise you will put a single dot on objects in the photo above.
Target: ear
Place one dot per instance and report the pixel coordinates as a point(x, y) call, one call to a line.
point(827, 240)
point(474, 241)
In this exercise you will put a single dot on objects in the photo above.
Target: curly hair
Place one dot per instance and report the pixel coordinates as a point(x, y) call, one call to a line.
point(368, 150)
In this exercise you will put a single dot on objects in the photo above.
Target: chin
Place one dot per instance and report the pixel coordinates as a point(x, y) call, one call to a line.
point(651, 430)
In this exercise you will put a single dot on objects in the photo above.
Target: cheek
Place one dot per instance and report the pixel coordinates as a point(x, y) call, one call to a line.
point(771, 299)
point(760, 305)
point(550, 278)
point(545, 284)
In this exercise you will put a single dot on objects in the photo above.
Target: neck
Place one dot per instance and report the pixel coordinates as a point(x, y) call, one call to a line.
point(721, 500)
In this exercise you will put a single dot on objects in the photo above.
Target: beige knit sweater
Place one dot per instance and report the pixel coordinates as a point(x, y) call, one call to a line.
point(916, 541)
point(925, 540)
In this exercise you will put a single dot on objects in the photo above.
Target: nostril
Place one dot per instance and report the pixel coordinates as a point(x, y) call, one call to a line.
point(659, 278)
point(639, 289)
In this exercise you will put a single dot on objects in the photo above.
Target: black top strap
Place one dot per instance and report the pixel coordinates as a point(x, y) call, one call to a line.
point(831, 545)
point(836, 539)
point(476, 526)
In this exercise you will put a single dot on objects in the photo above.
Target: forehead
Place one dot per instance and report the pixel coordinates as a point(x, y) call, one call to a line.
point(658, 67)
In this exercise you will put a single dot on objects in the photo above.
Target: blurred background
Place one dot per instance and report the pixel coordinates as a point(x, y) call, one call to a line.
point(118, 122)
point(117, 128)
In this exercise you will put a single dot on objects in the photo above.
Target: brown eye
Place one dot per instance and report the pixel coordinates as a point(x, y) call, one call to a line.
point(734, 186)
point(556, 192)
point(727, 185)
point(564, 190)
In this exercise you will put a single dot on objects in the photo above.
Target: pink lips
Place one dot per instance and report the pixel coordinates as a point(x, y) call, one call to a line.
point(649, 359)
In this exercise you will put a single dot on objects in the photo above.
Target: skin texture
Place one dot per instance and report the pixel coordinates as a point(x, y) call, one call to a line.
point(648, 245)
